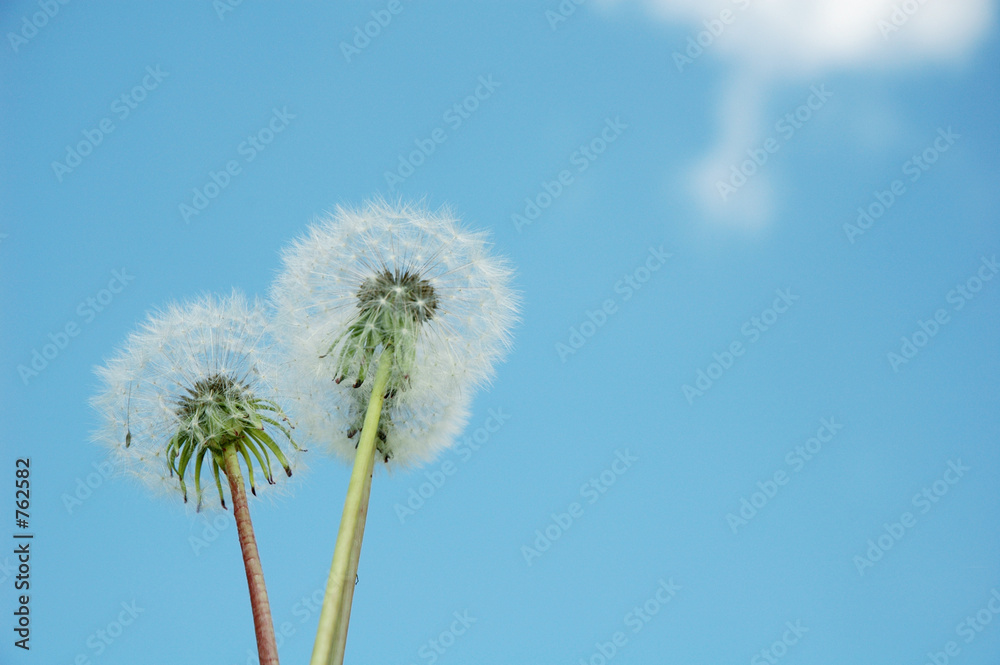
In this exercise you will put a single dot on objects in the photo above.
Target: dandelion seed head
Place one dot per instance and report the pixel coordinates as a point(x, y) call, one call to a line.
point(400, 284)
point(191, 380)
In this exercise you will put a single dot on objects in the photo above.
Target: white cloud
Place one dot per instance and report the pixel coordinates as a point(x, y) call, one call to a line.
point(768, 42)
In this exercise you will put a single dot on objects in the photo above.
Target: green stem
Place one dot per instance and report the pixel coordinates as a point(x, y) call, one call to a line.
point(333, 613)
point(340, 639)
point(267, 649)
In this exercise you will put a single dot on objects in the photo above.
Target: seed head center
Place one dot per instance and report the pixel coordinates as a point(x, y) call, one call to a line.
point(403, 294)
point(213, 391)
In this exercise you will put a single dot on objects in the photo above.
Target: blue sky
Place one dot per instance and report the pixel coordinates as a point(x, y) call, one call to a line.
point(595, 160)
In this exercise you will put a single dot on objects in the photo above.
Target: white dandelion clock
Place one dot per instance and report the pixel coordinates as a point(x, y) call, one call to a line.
point(194, 379)
point(185, 400)
point(399, 281)
point(392, 316)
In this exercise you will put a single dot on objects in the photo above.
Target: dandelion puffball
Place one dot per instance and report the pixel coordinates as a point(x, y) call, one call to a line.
point(391, 283)
point(194, 379)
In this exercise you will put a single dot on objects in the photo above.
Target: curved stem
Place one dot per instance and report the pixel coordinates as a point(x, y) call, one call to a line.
point(325, 651)
point(267, 649)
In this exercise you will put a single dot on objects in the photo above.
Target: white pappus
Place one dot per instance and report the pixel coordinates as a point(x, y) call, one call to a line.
point(397, 282)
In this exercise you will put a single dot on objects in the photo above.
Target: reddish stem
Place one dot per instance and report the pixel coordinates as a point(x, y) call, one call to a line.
point(267, 649)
